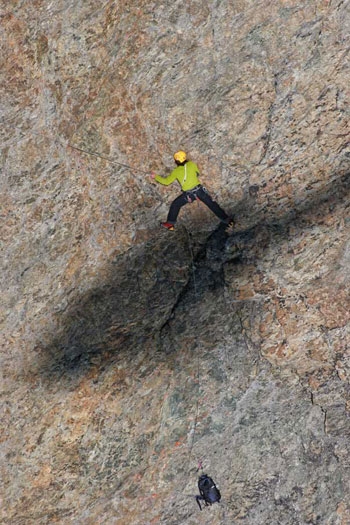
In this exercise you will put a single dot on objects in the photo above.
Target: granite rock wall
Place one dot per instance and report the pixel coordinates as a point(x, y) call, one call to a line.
point(130, 354)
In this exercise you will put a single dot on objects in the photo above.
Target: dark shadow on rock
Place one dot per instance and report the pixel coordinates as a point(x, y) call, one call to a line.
point(316, 205)
point(126, 310)
point(224, 247)
point(147, 285)
point(233, 247)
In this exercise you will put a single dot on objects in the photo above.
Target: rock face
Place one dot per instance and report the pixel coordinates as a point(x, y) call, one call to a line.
point(131, 354)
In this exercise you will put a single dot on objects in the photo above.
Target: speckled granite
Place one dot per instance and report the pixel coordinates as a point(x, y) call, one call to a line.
point(130, 353)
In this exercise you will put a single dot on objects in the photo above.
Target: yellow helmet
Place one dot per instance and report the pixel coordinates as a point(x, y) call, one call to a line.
point(180, 156)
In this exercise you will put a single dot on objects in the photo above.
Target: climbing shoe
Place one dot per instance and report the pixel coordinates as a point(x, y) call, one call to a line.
point(168, 225)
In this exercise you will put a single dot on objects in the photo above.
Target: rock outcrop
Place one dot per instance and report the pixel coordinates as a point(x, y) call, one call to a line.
point(131, 353)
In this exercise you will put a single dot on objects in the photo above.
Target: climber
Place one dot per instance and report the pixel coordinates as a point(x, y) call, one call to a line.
point(186, 173)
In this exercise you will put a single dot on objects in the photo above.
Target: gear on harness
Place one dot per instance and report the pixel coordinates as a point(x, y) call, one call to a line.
point(192, 194)
point(209, 493)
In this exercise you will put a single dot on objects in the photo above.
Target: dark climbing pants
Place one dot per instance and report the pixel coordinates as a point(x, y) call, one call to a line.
point(187, 197)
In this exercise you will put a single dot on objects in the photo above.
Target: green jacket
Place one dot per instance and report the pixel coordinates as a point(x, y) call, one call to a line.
point(186, 175)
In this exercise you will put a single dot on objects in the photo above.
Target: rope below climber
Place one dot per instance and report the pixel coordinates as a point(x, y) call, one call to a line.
point(187, 173)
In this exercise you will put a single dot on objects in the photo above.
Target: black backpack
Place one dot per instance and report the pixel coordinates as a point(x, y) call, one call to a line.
point(209, 492)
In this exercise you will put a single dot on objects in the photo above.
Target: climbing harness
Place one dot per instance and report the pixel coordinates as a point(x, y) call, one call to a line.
point(192, 194)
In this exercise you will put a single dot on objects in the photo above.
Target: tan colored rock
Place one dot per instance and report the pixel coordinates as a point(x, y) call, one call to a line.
point(128, 354)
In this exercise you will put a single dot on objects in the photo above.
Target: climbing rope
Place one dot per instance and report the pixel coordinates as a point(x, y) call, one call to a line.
point(112, 161)
point(199, 467)
point(150, 187)
point(195, 422)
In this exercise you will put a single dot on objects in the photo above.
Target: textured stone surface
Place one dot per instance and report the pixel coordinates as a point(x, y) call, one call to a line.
point(129, 354)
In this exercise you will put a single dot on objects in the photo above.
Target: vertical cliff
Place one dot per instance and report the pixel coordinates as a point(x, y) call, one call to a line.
point(130, 353)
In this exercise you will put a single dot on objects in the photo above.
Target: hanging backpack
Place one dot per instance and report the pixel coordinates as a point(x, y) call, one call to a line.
point(209, 493)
